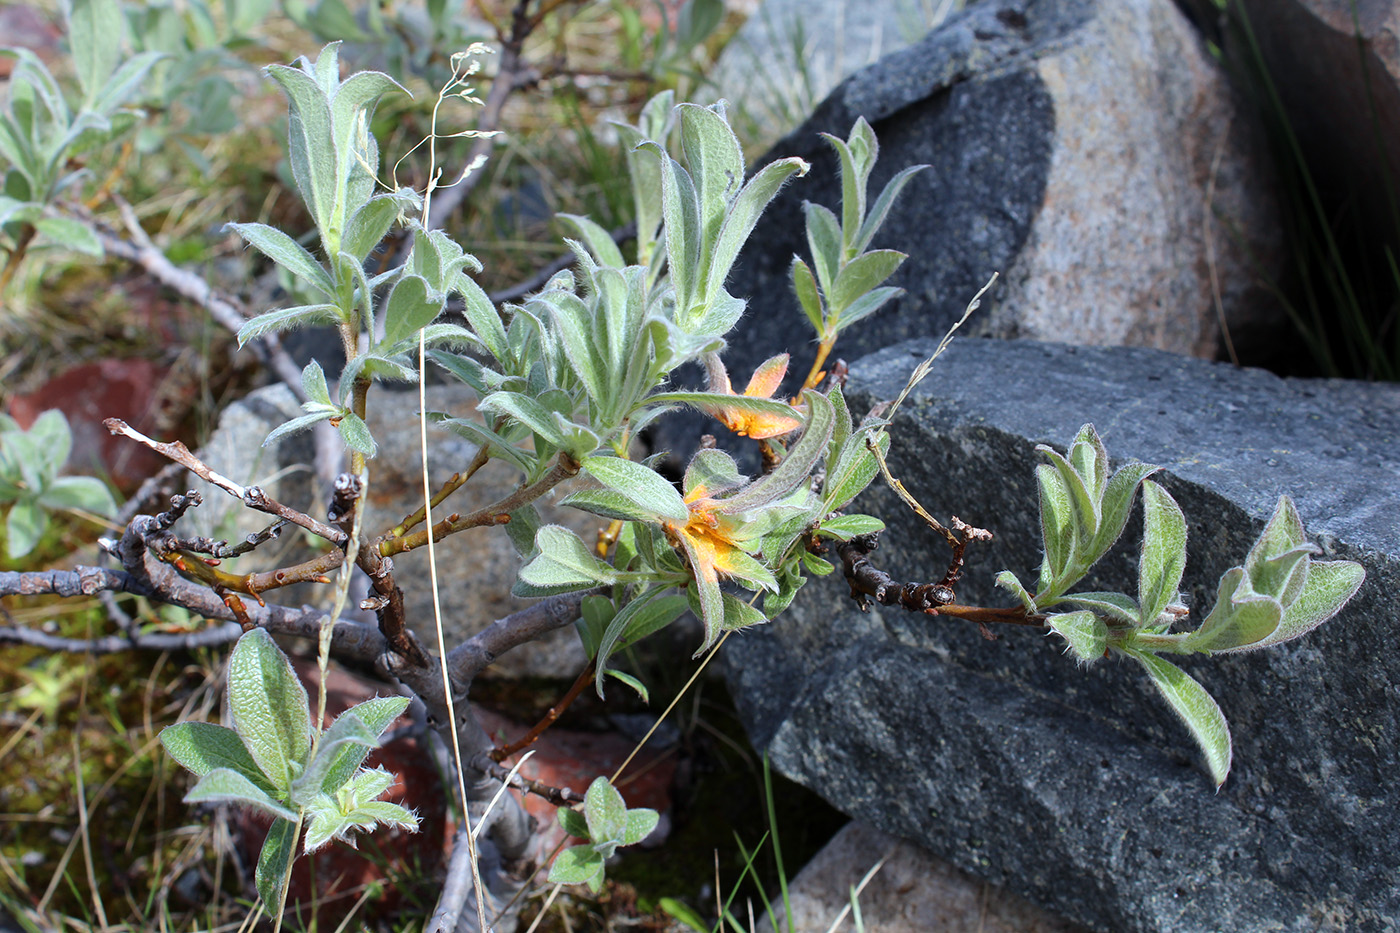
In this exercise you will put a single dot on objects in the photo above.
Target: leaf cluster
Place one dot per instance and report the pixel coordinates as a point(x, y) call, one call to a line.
point(846, 284)
point(607, 824)
point(273, 761)
point(30, 484)
point(1277, 595)
point(42, 133)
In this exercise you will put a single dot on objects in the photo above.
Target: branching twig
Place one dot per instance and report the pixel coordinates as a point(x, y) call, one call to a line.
point(497, 513)
point(482, 649)
point(353, 641)
point(869, 582)
point(559, 796)
point(252, 496)
point(585, 677)
point(223, 309)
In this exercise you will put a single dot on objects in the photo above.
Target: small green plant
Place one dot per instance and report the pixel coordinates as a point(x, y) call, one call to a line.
point(607, 824)
point(30, 486)
point(1280, 593)
point(273, 761)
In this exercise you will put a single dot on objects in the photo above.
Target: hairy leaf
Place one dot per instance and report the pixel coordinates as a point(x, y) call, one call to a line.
point(1163, 558)
point(1189, 700)
point(269, 707)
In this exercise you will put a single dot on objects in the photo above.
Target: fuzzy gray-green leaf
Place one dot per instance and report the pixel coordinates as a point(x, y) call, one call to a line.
point(269, 706)
point(1163, 557)
point(412, 306)
point(564, 564)
point(805, 285)
point(1197, 708)
point(287, 253)
point(1330, 584)
point(1083, 630)
point(824, 241)
point(325, 772)
point(642, 484)
point(881, 208)
point(224, 785)
point(862, 275)
point(377, 714)
point(287, 319)
point(70, 234)
point(578, 865)
point(1117, 502)
point(86, 493)
point(605, 811)
point(747, 208)
point(355, 433)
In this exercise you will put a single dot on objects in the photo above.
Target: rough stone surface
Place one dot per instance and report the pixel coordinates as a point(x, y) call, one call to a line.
point(1073, 147)
point(911, 892)
point(1077, 787)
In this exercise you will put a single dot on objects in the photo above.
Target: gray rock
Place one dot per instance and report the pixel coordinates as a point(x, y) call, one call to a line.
point(911, 891)
point(1073, 147)
point(1077, 787)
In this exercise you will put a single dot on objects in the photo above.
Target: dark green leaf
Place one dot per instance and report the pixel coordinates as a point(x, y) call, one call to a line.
point(202, 746)
point(572, 822)
point(881, 209)
point(277, 853)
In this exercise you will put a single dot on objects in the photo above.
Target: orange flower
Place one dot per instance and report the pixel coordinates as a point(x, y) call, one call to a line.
point(747, 421)
point(714, 543)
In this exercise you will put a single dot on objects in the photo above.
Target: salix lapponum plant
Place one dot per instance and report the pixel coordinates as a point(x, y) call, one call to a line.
point(565, 380)
point(274, 762)
point(1278, 594)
